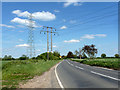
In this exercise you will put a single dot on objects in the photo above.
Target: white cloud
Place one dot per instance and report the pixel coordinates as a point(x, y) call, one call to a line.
point(92, 36)
point(72, 21)
point(101, 35)
point(21, 14)
point(23, 21)
point(38, 50)
point(21, 40)
point(22, 45)
point(72, 2)
point(87, 36)
point(63, 27)
point(54, 46)
point(21, 26)
point(43, 16)
point(56, 11)
point(64, 20)
point(72, 41)
point(8, 26)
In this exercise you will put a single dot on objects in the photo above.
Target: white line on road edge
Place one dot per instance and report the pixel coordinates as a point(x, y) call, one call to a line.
point(105, 76)
point(57, 76)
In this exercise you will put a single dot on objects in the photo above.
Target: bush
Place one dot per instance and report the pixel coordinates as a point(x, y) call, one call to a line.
point(116, 55)
point(44, 56)
point(103, 55)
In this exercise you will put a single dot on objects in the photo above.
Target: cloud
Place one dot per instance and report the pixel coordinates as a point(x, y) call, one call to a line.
point(38, 50)
point(54, 46)
point(72, 41)
point(56, 11)
point(23, 21)
point(72, 21)
point(87, 36)
point(22, 45)
point(72, 2)
point(64, 20)
point(92, 36)
point(8, 26)
point(63, 27)
point(43, 16)
point(21, 14)
point(21, 40)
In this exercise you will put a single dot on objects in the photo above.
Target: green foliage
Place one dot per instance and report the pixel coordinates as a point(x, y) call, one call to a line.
point(90, 50)
point(70, 55)
point(51, 56)
point(8, 57)
point(23, 57)
point(103, 55)
point(84, 56)
point(56, 53)
point(116, 55)
point(16, 71)
point(108, 63)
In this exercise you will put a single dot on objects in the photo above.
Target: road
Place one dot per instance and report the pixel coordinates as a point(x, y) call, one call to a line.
point(75, 75)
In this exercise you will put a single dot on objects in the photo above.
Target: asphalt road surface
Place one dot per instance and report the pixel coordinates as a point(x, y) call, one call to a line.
point(75, 75)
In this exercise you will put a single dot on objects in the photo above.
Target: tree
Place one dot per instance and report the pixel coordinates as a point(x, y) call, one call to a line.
point(116, 55)
point(8, 57)
point(70, 55)
point(90, 50)
point(84, 56)
point(23, 57)
point(56, 53)
point(80, 52)
point(103, 55)
point(76, 52)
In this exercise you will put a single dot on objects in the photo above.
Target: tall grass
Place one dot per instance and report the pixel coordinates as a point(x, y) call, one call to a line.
point(14, 72)
point(108, 63)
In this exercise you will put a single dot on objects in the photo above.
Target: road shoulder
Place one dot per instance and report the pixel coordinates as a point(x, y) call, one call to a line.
point(46, 80)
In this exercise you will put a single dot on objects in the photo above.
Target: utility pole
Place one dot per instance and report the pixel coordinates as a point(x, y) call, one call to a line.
point(51, 40)
point(47, 44)
point(48, 38)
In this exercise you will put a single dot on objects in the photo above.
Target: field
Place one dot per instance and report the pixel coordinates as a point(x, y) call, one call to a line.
point(14, 72)
point(108, 63)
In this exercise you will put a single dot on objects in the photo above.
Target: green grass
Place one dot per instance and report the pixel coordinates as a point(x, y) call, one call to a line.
point(14, 72)
point(108, 63)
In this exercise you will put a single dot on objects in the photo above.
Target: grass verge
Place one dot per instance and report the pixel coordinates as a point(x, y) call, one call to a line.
point(15, 72)
point(108, 63)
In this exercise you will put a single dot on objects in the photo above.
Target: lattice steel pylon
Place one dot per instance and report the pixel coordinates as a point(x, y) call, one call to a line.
point(31, 45)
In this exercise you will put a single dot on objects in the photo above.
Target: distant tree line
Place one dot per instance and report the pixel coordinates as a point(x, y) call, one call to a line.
point(52, 56)
point(88, 51)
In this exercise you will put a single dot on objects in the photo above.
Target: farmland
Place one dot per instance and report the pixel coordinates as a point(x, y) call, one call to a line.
point(108, 62)
point(16, 71)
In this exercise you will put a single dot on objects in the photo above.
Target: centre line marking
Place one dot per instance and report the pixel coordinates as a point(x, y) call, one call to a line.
point(79, 67)
point(105, 76)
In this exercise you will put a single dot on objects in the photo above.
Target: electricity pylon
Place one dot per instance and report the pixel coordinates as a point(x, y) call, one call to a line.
point(31, 46)
point(52, 31)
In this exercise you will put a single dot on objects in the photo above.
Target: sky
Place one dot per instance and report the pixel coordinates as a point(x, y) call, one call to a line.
point(77, 24)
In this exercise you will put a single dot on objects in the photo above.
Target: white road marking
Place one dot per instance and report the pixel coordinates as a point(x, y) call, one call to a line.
point(75, 66)
point(57, 76)
point(71, 64)
point(105, 76)
point(79, 67)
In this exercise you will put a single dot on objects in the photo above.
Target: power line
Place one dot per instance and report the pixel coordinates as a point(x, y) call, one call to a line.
point(51, 31)
point(97, 11)
point(31, 46)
